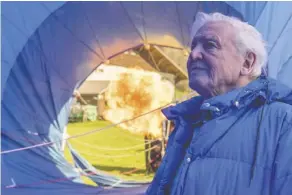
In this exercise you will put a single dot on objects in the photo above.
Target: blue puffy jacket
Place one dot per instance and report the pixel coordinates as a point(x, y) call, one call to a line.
point(239, 143)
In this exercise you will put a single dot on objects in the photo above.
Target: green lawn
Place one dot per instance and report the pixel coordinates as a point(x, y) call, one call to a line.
point(101, 150)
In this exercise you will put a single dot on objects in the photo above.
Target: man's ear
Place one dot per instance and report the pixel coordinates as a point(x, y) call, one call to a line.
point(248, 64)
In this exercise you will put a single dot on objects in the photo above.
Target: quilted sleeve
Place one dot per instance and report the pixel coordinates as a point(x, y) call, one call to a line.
point(282, 177)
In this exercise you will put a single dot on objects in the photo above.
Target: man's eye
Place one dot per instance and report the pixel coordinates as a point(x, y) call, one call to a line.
point(210, 45)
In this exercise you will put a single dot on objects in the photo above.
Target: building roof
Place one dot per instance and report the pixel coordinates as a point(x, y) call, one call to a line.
point(93, 87)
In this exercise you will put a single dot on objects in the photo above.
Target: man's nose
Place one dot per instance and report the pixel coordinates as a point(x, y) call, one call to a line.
point(196, 53)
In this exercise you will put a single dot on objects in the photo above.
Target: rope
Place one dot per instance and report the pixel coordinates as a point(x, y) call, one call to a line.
point(82, 134)
point(114, 156)
point(79, 135)
point(132, 138)
point(113, 149)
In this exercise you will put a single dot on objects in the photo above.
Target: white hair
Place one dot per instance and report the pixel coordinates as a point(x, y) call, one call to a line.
point(249, 39)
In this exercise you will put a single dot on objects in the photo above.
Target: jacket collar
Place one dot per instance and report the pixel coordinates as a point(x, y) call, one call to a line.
point(255, 94)
point(240, 97)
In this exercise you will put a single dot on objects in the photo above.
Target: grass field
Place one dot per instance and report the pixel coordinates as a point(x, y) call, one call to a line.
point(110, 150)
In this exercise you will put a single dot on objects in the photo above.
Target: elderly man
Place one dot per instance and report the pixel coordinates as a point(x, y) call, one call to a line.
point(236, 137)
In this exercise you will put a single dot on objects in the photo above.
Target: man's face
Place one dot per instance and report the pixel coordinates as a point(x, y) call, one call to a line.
point(214, 63)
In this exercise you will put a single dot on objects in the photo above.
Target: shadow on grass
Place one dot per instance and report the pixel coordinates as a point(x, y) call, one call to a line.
point(122, 170)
